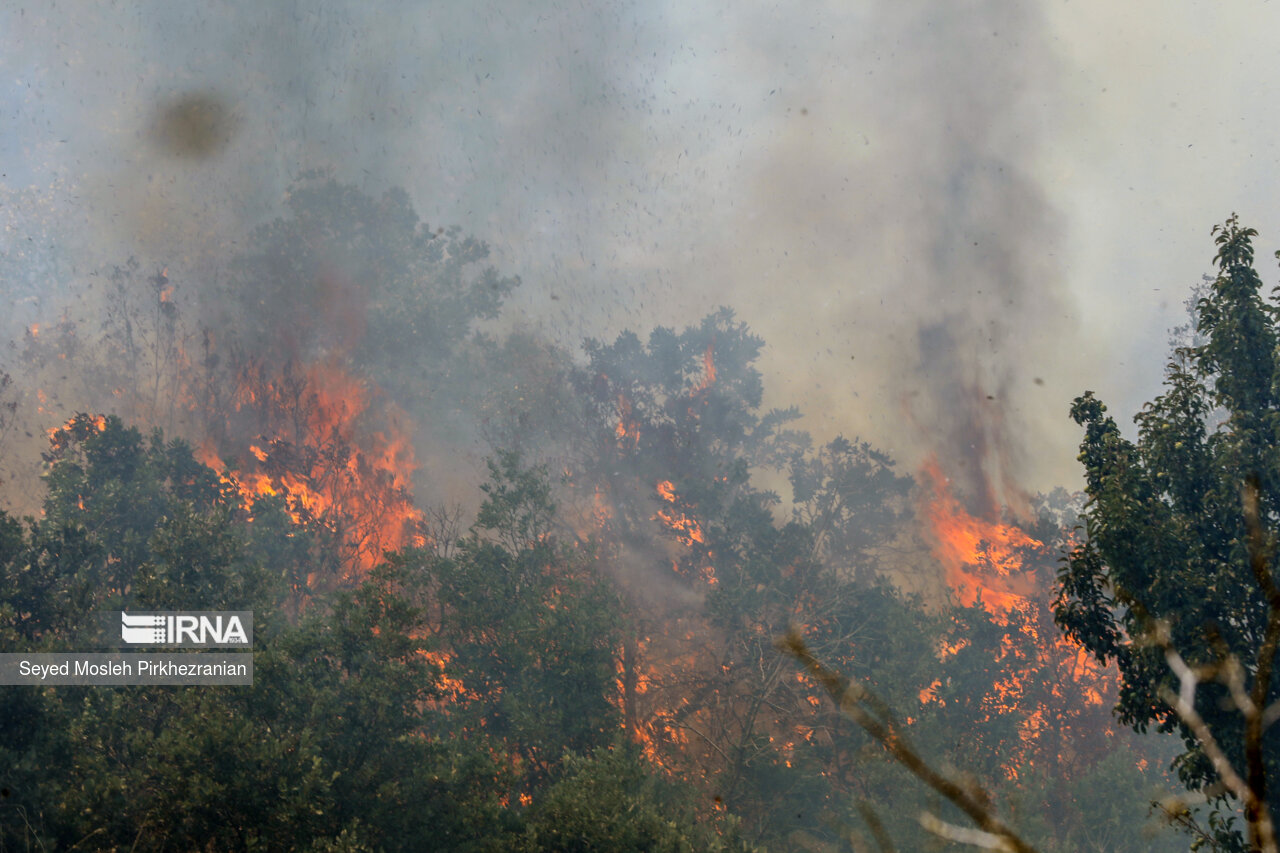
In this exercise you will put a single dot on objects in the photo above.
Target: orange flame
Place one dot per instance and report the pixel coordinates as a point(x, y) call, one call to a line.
point(163, 288)
point(708, 370)
point(78, 427)
point(685, 527)
point(451, 688)
point(984, 564)
point(330, 468)
point(627, 431)
point(981, 558)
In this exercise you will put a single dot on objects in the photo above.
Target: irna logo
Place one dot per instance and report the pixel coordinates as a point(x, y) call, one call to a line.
point(188, 629)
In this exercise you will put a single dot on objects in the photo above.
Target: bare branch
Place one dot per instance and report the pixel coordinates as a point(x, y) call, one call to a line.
point(878, 832)
point(964, 835)
point(1177, 812)
point(1270, 715)
point(1262, 835)
point(1221, 765)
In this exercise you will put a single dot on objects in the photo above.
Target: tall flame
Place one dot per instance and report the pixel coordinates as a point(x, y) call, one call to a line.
point(708, 371)
point(1044, 676)
point(679, 522)
point(981, 558)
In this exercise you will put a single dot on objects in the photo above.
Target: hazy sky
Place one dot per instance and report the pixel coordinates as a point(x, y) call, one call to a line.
point(946, 219)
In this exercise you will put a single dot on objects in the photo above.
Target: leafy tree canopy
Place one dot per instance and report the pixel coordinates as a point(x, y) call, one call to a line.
point(1165, 542)
point(343, 742)
point(363, 277)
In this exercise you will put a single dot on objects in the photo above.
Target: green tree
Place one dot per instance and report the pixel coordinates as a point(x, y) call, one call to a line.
point(672, 437)
point(363, 278)
point(527, 626)
point(1178, 554)
point(335, 745)
point(612, 800)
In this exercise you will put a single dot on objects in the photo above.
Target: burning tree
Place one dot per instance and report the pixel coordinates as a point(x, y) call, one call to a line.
point(1175, 579)
point(580, 634)
point(139, 523)
point(659, 475)
point(289, 367)
point(353, 735)
point(527, 628)
point(669, 447)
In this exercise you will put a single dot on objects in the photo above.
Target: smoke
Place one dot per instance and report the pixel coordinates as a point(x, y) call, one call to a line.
point(942, 300)
point(196, 124)
point(858, 183)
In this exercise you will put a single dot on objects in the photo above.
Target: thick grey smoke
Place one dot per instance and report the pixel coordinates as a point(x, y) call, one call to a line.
point(988, 301)
point(901, 193)
point(857, 181)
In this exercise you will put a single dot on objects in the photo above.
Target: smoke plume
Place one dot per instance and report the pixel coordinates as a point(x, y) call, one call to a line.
point(857, 182)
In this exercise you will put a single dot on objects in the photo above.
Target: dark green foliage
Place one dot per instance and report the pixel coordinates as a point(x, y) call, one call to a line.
point(530, 628)
point(673, 435)
point(675, 438)
point(850, 496)
point(338, 745)
point(473, 697)
point(518, 510)
point(328, 743)
point(610, 800)
point(687, 404)
point(364, 277)
point(1164, 532)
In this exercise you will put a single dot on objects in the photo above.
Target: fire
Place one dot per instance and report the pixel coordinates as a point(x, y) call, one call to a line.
point(164, 290)
point(660, 668)
point(981, 558)
point(985, 564)
point(78, 427)
point(320, 454)
point(451, 688)
point(708, 371)
point(673, 683)
point(627, 431)
point(685, 527)
point(601, 511)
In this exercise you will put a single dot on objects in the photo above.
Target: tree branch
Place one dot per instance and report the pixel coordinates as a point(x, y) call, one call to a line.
point(1257, 815)
point(1261, 828)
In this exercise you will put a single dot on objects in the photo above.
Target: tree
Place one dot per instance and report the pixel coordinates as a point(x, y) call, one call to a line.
point(334, 746)
point(1174, 579)
point(351, 276)
point(672, 438)
point(612, 800)
point(527, 626)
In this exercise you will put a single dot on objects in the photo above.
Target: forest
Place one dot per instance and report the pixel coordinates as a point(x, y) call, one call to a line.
point(664, 619)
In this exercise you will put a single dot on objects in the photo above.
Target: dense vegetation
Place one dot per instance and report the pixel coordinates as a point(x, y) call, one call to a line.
point(349, 738)
point(588, 665)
